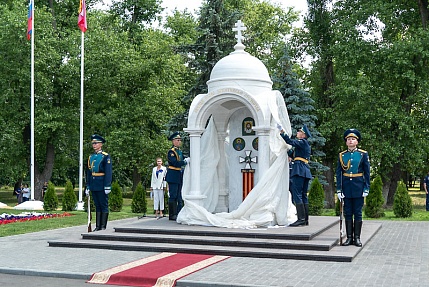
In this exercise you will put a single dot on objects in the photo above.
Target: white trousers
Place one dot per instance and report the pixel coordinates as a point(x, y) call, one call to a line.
point(158, 199)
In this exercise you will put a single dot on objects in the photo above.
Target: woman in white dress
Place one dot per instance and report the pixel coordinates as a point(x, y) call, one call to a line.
point(157, 186)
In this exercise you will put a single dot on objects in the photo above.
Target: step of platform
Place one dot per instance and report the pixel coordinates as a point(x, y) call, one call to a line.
point(314, 242)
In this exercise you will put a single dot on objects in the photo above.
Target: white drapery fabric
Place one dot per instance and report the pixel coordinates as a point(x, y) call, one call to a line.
point(269, 202)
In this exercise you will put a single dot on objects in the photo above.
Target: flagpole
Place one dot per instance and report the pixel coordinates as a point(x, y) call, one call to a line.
point(32, 104)
point(80, 204)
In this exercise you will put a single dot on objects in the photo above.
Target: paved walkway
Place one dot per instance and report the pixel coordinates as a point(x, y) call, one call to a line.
point(398, 255)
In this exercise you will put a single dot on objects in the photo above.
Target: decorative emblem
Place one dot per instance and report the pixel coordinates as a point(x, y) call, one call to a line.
point(248, 159)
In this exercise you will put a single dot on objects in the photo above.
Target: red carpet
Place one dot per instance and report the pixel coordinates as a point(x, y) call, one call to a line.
point(161, 270)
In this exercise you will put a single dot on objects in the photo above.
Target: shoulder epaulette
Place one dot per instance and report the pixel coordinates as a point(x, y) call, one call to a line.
point(361, 150)
point(104, 153)
point(344, 151)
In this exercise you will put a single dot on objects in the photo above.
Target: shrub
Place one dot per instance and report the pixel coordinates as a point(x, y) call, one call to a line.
point(50, 201)
point(402, 205)
point(69, 200)
point(115, 198)
point(375, 200)
point(139, 202)
point(316, 197)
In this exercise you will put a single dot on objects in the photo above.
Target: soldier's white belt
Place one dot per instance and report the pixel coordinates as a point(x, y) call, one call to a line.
point(353, 174)
point(98, 174)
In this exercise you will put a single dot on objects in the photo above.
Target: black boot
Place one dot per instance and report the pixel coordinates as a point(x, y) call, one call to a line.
point(104, 217)
point(301, 215)
point(97, 221)
point(306, 213)
point(349, 230)
point(172, 210)
point(358, 228)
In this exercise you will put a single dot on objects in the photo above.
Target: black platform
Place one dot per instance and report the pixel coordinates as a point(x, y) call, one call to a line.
point(317, 241)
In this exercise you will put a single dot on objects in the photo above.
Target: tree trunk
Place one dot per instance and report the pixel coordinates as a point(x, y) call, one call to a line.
point(391, 183)
point(330, 187)
point(46, 174)
point(424, 12)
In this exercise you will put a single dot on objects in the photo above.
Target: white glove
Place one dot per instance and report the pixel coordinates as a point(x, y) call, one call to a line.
point(365, 193)
point(87, 191)
point(107, 191)
point(187, 160)
point(279, 127)
point(340, 195)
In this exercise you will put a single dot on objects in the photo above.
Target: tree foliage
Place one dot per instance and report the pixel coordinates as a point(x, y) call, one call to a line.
point(139, 202)
point(69, 200)
point(316, 198)
point(116, 200)
point(50, 202)
point(374, 201)
point(402, 204)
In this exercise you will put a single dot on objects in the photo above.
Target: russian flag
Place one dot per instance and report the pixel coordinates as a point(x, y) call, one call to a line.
point(30, 20)
point(81, 21)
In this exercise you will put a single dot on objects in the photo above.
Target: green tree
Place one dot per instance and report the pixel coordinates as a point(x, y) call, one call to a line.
point(50, 202)
point(402, 205)
point(69, 200)
point(116, 200)
point(375, 201)
point(139, 202)
point(316, 197)
point(300, 109)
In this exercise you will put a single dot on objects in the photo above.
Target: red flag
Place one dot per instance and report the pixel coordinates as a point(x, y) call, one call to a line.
point(30, 20)
point(81, 21)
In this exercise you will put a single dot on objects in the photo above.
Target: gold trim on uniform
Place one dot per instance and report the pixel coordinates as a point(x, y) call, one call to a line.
point(353, 174)
point(301, 159)
point(98, 174)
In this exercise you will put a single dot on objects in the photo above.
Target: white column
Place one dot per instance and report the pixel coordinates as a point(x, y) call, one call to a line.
point(263, 149)
point(222, 205)
point(195, 146)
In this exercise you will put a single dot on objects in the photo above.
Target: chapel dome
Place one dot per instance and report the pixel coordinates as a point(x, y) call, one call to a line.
point(239, 68)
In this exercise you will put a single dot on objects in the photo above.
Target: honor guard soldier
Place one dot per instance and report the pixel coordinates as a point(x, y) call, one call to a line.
point(99, 180)
point(174, 177)
point(353, 184)
point(300, 174)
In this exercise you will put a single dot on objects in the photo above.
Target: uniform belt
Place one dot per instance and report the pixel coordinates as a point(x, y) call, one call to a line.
point(174, 168)
point(353, 174)
point(301, 159)
point(98, 174)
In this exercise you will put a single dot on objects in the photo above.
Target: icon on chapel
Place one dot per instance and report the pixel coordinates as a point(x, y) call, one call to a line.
point(247, 127)
point(238, 144)
point(255, 143)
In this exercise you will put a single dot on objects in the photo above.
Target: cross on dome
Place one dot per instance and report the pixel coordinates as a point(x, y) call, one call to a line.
point(239, 29)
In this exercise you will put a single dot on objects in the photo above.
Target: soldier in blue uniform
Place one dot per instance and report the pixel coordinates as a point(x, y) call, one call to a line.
point(300, 175)
point(174, 178)
point(99, 180)
point(353, 184)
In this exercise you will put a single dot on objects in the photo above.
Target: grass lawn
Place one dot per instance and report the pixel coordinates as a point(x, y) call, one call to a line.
point(77, 218)
point(81, 217)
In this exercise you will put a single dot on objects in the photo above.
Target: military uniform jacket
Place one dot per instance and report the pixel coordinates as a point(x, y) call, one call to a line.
point(300, 157)
point(99, 173)
point(175, 165)
point(353, 173)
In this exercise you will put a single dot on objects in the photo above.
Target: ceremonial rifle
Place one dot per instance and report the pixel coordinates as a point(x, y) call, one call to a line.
point(341, 221)
point(89, 214)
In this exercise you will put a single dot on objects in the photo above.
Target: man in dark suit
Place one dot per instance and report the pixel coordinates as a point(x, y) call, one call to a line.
point(353, 184)
point(99, 180)
point(300, 174)
point(174, 177)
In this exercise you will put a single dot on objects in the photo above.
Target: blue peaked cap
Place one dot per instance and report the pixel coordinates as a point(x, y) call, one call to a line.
point(352, 133)
point(175, 135)
point(97, 138)
point(305, 130)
